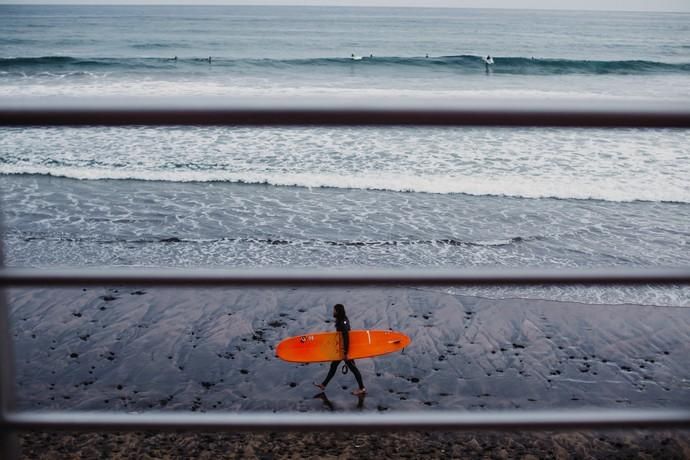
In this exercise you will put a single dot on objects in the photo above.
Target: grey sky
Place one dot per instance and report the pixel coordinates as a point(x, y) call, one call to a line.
point(616, 5)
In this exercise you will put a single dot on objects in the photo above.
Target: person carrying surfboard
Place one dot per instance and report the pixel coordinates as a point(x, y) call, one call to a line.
point(342, 325)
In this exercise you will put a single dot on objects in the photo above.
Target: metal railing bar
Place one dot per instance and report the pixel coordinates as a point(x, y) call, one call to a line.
point(489, 420)
point(9, 445)
point(505, 117)
point(17, 277)
point(8, 440)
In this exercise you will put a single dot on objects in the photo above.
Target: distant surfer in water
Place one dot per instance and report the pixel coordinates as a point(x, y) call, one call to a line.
point(488, 61)
point(342, 325)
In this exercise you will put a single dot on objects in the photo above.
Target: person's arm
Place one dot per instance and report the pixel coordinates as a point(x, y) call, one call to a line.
point(346, 342)
point(344, 328)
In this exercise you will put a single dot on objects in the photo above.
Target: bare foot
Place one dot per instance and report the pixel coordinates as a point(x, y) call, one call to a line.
point(361, 391)
point(319, 386)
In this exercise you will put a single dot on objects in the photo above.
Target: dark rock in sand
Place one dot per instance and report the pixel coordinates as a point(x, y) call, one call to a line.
point(172, 239)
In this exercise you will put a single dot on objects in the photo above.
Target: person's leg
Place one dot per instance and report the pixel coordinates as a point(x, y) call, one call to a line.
point(331, 373)
point(351, 365)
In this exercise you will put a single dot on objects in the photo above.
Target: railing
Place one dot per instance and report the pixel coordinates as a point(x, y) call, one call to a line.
point(526, 116)
point(12, 420)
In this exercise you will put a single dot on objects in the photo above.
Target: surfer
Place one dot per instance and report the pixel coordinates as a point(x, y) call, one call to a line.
point(342, 324)
point(488, 61)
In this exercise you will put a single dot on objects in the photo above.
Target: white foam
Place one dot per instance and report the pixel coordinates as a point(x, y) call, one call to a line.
point(626, 165)
point(672, 296)
point(510, 186)
point(568, 88)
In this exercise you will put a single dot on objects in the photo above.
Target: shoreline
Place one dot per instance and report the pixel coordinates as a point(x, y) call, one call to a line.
point(132, 224)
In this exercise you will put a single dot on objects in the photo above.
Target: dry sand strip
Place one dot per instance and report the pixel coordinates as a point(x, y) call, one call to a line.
point(668, 445)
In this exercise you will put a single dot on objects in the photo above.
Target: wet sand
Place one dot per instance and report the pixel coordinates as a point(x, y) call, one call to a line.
point(212, 350)
point(166, 349)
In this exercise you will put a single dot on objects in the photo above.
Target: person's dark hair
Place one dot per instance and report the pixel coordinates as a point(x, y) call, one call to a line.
point(339, 311)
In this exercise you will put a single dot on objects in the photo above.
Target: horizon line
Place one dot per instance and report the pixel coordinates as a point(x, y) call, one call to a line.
point(292, 5)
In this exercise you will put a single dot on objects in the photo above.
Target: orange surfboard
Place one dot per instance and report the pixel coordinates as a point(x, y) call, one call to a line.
point(319, 347)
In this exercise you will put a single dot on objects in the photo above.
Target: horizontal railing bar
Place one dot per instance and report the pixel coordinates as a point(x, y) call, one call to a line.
point(489, 420)
point(506, 117)
point(17, 277)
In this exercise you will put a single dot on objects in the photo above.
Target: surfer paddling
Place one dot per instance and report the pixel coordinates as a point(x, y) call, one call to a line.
point(342, 325)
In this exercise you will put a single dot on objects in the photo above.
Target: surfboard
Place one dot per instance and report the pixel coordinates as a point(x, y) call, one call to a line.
point(317, 347)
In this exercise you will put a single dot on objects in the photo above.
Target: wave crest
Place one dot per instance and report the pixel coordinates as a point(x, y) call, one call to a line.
point(463, 63)
point(532, 188)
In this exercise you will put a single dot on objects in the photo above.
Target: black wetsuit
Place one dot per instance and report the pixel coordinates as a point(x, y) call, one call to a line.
point(344, 327)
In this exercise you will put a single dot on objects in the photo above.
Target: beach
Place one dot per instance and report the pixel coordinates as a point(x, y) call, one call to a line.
point(528, 446)
point(346, 198)
point(179, 349)
point(145, 349)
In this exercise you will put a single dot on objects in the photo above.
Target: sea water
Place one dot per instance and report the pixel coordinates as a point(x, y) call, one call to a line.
point(348, 197)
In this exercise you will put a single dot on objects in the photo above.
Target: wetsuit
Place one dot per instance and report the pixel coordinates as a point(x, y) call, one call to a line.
point(344, 327)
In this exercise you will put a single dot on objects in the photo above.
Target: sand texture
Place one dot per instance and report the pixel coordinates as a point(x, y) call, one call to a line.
point(137, 350)
point(181, 349)
point(527, 446)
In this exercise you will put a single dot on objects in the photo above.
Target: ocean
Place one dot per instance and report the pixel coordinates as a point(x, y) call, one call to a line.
point(97, 50)
point(350, 197)
point(346, 198)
